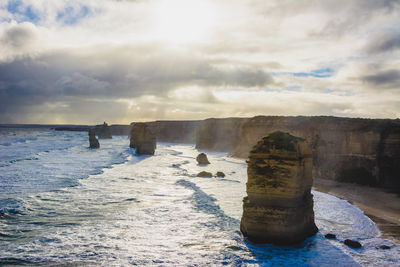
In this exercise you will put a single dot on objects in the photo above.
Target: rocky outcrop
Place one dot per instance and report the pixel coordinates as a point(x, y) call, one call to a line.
point(330, 236)
point(352, 243)
point(220, 174)
point(103, 131)
point(202, 159)
point(142, 139)
point(279, 205)
point(204, 174)
point(93, 142)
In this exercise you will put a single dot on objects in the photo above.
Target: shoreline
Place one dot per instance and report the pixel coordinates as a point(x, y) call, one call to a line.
point(380, 206)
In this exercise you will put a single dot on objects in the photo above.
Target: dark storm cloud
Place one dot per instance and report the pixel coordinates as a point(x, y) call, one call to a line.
point(385, 43)
point(111, 73)
point(384, 79)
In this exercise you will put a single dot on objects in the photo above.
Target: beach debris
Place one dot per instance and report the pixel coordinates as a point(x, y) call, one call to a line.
point(202, 159)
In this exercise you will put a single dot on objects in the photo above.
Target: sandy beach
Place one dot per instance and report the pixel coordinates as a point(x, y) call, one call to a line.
point(379, 205)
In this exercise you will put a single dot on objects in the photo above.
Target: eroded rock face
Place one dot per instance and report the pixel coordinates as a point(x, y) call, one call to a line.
point(142, 139)
point(93, 142)
point(103, 131)
point(279, 205)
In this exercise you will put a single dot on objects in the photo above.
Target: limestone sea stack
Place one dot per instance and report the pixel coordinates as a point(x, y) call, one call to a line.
point(93, 142)
point(103, 131)
point(279, 205)
point(142, 139)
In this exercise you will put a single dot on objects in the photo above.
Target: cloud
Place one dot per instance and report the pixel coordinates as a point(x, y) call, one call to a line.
point(384, 43)
point(113, 73)
point(62, 58)
point(17, 39)
point(384, 79)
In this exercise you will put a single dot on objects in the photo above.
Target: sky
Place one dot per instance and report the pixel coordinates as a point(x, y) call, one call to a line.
point(85, 62)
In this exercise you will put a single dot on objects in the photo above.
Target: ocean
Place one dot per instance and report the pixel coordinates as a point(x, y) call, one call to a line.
point(62, 203)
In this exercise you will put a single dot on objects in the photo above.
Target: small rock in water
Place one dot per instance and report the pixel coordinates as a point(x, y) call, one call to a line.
point(384, 247)
point(93, 142)
point(352, 243)
point(330, 236)
point(204, 174)
point(220, 174)
point(202, 159)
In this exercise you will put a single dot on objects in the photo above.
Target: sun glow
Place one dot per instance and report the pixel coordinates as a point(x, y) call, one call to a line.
point(183, 21)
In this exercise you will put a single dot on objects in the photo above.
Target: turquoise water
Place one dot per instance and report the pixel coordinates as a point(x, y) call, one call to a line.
point(63, 203)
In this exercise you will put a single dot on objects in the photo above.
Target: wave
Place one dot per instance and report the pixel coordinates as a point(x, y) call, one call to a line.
point(12, 206)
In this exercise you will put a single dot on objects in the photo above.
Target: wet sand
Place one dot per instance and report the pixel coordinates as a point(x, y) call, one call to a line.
point(380, 206)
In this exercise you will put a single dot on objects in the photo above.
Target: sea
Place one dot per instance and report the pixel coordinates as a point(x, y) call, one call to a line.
point(64, 204)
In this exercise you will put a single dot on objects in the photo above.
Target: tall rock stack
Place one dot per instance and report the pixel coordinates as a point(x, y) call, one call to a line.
point(142, 139)
point(93, 142)
point(279, 205)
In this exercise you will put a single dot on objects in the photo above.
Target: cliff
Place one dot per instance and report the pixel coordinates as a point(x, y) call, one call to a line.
point(103, 131)
point(279, 205)
point(219, 134)
point(174, 131)
point(364, 151)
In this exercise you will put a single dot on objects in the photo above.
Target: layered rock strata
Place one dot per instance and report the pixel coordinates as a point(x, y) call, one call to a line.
point(93, 142)
point(279, 205)
point(142, 139)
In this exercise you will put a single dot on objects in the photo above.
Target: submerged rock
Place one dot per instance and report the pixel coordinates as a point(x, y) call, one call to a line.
point(352, 243)
point(384, 247)
point(279, 206)
point(220, 174)
point(103, 131)
point(202, 159)
point(93, 142)
point(142, 139)
point(204, 174)
point(330, 236)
